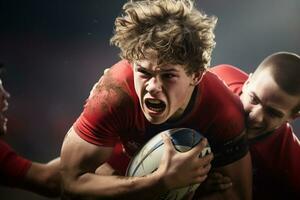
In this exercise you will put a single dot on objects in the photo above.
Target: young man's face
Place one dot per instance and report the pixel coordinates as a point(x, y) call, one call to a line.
point(4, 95)
point(164, 91)
point(267, 106)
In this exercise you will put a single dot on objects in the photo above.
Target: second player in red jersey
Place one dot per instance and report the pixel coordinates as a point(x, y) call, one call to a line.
point(274, 150)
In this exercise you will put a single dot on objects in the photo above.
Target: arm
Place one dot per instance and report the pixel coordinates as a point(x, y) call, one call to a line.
point(16, 171)
point(240, 183)
point(215, 182)
point(80, 160)
point(282, 152)
point(43, 179)
point(240, 172)
point(232, 161)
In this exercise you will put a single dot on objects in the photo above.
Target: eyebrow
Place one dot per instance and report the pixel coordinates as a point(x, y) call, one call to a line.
point(139, 67)
point(160, 69)
point(169, 70)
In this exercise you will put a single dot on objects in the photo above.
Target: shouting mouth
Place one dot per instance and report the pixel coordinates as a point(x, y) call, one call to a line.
point(155, 105)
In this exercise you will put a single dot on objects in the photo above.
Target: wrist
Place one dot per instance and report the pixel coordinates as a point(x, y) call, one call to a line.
point(159, 179)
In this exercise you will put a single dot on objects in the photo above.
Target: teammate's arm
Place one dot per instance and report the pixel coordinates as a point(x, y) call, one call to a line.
point(43, 179)
point(80, 160)
point(240, 175)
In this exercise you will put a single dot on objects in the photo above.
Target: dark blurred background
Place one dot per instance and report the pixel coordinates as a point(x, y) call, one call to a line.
point(54, 51)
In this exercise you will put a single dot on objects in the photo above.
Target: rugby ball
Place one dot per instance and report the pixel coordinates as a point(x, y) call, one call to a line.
point(147, 160)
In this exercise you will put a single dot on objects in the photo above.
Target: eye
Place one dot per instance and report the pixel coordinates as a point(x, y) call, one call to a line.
point(168, 76)
point(253, 99)
point(274, 113)
point(144, 73)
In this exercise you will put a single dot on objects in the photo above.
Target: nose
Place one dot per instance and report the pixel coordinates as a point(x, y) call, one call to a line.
point(4, 94)
point(154, 85)
point(256, 114)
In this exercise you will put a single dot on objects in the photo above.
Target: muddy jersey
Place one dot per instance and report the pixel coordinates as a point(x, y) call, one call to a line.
point(275, 156)
point(12, 166)
point(112, 114)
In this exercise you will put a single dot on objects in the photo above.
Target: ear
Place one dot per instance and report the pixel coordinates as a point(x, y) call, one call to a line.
point(197, 76)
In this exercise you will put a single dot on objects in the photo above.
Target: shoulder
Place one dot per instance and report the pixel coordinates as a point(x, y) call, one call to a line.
point(115, 87)
point(229, 73)
point(122, 70)
point(111, 106)
point(218, 93)
point(281, 145)
point(286, 137)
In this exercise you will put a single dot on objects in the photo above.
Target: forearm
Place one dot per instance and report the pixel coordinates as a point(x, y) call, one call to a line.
point(240, 176)
point(80, 162)
point(43, 179)
point(94, 186)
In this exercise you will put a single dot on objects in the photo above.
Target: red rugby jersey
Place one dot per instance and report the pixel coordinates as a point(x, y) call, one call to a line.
point(276, 158)
point(112, 114)
point(12, 166)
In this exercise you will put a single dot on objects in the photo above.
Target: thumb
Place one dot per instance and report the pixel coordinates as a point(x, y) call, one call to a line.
point(199, 147)
point(167, 142)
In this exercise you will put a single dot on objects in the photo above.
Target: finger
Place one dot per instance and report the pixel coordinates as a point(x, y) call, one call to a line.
point(199, 147)
point(206, 160)
point(203, 170)
point(199, 179)
point(167, 142)
point(215, 175)
point(226, 179)
point(221, 179)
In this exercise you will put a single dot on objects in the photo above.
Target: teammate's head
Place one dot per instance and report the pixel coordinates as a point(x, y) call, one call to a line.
point(169, 43)
point(174, 30)
point(271, 95)
point(4, 95)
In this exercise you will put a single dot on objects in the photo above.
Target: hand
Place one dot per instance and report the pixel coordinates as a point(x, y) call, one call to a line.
point(180, 169)
point(215, 182)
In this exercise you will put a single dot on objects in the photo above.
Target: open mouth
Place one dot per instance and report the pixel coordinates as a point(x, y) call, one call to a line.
point(254, 127)
point(155, 105)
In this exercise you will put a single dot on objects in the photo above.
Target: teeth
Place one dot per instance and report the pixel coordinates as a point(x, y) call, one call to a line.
point(154, 101)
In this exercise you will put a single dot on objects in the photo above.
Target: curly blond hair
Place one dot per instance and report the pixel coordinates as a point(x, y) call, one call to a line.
point(174, 29)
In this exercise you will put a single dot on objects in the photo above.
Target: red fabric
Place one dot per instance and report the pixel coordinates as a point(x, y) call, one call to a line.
point(233, 77)
point(112, 113)
point(276, 159)
point(12, 166)
point(119, 160)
